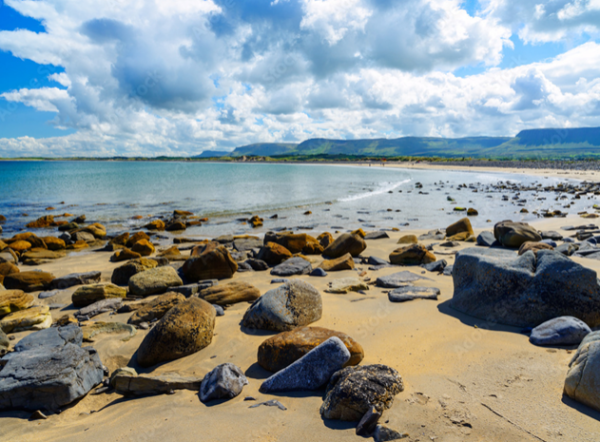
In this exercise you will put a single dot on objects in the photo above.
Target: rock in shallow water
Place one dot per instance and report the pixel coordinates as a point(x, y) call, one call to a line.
point(311, 371)
point(224, 382)
point(565, 330)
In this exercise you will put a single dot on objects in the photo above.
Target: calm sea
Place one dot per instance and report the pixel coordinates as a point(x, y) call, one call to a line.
point(339, 197)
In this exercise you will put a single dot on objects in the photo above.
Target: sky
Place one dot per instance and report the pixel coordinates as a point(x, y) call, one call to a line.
point(177, 77)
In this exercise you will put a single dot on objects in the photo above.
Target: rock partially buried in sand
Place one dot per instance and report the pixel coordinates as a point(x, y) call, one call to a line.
point(33, 318)
point(213, 261)
point(290, 305)
point(273, 253)
point(312, 371)
point(352, 391)
point(64, 282)
point(14, 300)
point(461, 226)
point(399, 279)
point(225, 381)
point(122, 274)
point(534, 247)
point(486, 239)
point(403, 294)
point(279, 351)
point(28, 281)
point(583, 378)
point(514, 234)
point(186, 329)
point(345, 285)
point(230, 293)
point(156, 309)
point(89, 294)
point(525, 291)
point(154, 281)
point(344, 262)
point(565, 330)
point(352, 243)
point(293, 266)
point(51, 337)
point(96, 328)
point(415, 254)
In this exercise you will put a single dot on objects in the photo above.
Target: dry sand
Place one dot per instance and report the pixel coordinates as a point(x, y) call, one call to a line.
point(465, 380)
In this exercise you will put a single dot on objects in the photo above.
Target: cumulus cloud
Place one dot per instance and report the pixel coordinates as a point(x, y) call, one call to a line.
point(151, 77)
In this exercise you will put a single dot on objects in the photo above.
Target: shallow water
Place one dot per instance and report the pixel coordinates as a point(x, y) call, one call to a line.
point(340, 197)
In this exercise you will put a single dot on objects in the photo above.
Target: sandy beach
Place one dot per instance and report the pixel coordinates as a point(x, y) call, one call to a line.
point(464, 379)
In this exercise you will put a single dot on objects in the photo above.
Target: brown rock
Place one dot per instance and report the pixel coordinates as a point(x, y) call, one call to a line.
point(415, 254)
point(54, 243)
point(120, 240)
point(124, 255)
point(20, 246)
point(177, 226)
point(78, 245)
point(298, 243)
point(209, 261)
point(514, 234)
point(182, 213)
point(28, 281)
point(156, 308)
point(273, 253)
point(462, 225)
point(138, 236)
point(33, 318)
point(408, 239)
point(352, 243)
point(89, 294)
point(14, 300)
point(170, 251)
point(279, 351)
point(6, 268)
point(41, 223)
point(325, 239)
point(143, 247)
point(534, 247)
point(462, 236)
point(122, 274)
point(157, 224)
point(255, 221)
point(186, 329)
point(344, 262)
point(230, 293)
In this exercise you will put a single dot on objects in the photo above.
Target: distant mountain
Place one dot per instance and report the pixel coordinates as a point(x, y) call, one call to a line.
point(563, 143)
point(212, 154)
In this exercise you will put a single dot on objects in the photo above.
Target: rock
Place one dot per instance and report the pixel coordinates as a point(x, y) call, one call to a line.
point(293, 304)
point(367, 425)
point(51, 337)
point(192, 289)
point(36, 257)
point(28, 381)
point(325, 239)
point(82, 236)
point(534, 247)
point(64, 282)
point(37, 415)
point(4, 343)
point(408, 239)
point(293, 266)
point(352, 391)
point(156, 309)
point(154, 281)
point(125, 255)
point(257, 265)
point(42, 223)
point(97, 328)
point(415, 254)
point(90, 294)
point(120, 240)
point(461, 226)
point(129, 384)
point(225, 381)
point(297, 243)
point(99, 307)
point(230, 293)
point(320, 273)
point(186, 329)
point(143, 247)
point(486, 239)
point(376, 235)
point(212, 262)
point(463, 236)
point(122, 274)
point(345, 285)
point(567, 249)
point(352, 243)
point(344, 262)
point(403, 294)
point(8, 256)
point(524, 291)
point(271, 403)
point(399, 279)
point(549, 242)
point(583, 378)
point(273, 253)
point(373, 260)
point(384, 434)
point(312, 371)
point(138, 236)
point(437, 266)
point(280, 351)
point(246, 244)
point(565, 330)
point(514, 234)
point(470, 212)
point(54, 243)
point(157, 224)
point(13, 301)
point(33, 318)
point(28, 281)
point(554, 236)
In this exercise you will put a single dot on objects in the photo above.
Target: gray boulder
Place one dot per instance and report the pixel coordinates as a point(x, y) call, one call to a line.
point(399, 279)
point(293, 266)
point(524, 291)
point(51, 337)
point(284, 308)
point(64, 282)
point(565, 330)
point(486, 239)
point(311, 371)
point(583, 378)
point(554, 236)
point(154, 281)
point(224, 382)
point(436, 267)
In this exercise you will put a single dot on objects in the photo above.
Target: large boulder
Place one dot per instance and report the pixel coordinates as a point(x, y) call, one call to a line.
point(284, 308)
point(280, 351)
point(154, 281)
point(460, 226)
point(230, 293)
point(344, 262)
point(90, 294)
point(28, 281)
point(524, 291)
point(565, 330)
point(33, 318)
point(415, 254)
point(156, 309)
point(64, 282)
point(273, 253)
point(186, 329)
point(14, 300)
point(211, 261)
point(48, 372)
point(312, 371)
point(296, 242)
point(583, 378)
point(293, 266)
point(225, 381)
point(352, 243)
point(514, 234)
point(122, 274)
point(352, 391)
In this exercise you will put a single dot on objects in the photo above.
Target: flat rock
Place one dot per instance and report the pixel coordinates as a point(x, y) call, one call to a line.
point(399, 279)
point(225, 381)
point(403, 294)
point(33, 318)
point(99, 307)
point(51, 337)
point(129, 384)
point(192, 289)
point(154, 281)
point(230, 293)
point(293, 266)
point(436, 267)
point(91, 330)
point(28, 281)
point(123, 273)
point(376, 235)
point(565, 330)
point(312, 371)
point(345, 285)
point(64, 282)
point(14, 300)
point(90, 294)
point(156, 309)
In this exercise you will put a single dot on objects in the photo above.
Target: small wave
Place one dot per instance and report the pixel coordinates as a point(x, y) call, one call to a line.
point(379, 191)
